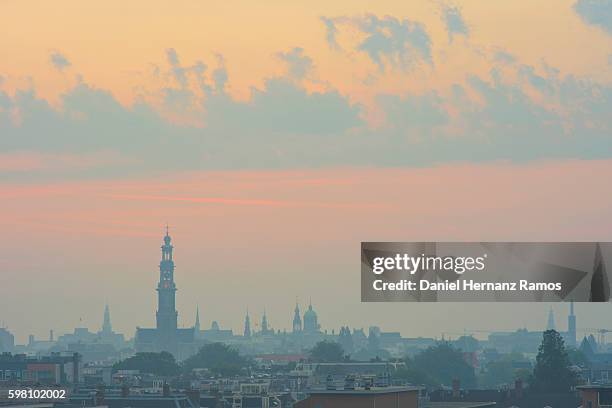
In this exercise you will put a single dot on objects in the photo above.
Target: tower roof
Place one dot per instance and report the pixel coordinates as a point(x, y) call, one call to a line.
point(310, 312)
point(167, 238)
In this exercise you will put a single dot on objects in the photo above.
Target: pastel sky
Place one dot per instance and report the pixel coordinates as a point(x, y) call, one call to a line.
point(275, 136)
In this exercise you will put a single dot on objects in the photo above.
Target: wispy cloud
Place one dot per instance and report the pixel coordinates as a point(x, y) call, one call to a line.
point(454, 22)
point(299, 65)
point(389, 41)
point(596, 12)
point(59, 61)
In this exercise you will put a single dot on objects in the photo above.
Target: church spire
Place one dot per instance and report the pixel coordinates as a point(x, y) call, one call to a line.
point(247, 325)
point(106, 325)
point(196, 326)
point(264, 323)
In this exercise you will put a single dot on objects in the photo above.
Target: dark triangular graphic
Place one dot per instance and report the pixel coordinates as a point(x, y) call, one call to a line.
point(600, 286)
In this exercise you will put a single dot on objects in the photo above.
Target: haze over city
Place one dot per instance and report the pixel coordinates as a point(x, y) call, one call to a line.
point(394, 121)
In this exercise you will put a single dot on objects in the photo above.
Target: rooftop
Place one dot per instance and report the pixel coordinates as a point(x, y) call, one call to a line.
point(363, 391)
point(460, 404)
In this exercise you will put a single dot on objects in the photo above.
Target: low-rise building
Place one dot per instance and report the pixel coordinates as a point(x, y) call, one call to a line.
point(596, 396)
point(53, 369)
point(384, 397)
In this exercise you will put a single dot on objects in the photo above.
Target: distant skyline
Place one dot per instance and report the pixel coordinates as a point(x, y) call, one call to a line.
point(274, 137)
point(97, 242)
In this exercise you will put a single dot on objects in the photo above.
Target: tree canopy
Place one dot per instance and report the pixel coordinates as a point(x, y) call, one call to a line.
point(162, 364)
point(219, 359)
point(441, 364)
point(415, 375)
point(552, 371)
point(327, 352)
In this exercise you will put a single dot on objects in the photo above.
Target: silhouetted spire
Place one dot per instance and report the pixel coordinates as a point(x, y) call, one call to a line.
point(196, 326)
point(264, 323)
point(247, 325)
point(106, 326)
point(297, 320)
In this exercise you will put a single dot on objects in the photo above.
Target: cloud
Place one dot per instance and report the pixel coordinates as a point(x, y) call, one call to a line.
point(281, 125)
point(284, 109)
point(388, 41)
point(179, 72)
point(59, 60)
point(453, 19)
point(414, 115)
point(299, 65)
point(517, 113)
point(220, 74)
point(596, 12)
point(330, 32)
point(503, 57)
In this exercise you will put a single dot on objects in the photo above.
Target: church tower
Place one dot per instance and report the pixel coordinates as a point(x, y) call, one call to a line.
point(166, 297)
point(297, 320)
point(106, 325)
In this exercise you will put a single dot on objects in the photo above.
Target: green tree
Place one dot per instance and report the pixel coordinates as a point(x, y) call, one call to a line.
point(443, 363)
point(327, 352)
point(153, 363)
point(552, 370)
point(219, 359)
point(415, 375)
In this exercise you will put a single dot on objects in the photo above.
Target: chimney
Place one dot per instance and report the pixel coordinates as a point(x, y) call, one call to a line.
point(194, 397)
point(456, 388)
point(166, 390)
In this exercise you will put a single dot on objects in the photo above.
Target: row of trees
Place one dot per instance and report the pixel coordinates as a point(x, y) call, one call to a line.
point(441, 363)
point(220, 359)
point(437, 365)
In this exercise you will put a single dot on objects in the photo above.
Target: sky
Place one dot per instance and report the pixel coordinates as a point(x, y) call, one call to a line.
point(274, 137)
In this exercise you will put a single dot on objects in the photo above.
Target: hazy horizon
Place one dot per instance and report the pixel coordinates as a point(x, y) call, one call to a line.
point(99, 242)
point(274, 137)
